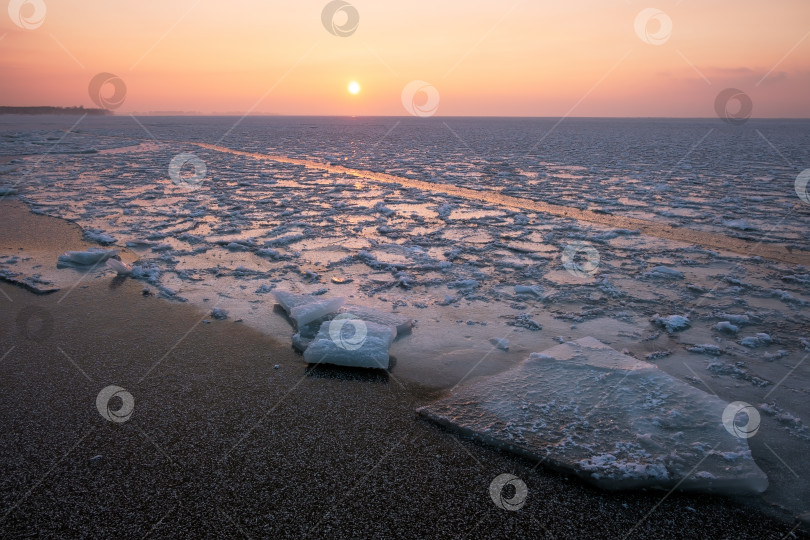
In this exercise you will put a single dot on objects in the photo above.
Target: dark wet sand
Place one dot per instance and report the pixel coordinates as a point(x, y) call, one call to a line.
point(221, 444)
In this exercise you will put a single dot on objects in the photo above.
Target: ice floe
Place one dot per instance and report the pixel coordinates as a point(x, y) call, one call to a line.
point(617, 422)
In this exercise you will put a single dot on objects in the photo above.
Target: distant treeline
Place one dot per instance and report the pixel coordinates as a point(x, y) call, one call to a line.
point(54, 110)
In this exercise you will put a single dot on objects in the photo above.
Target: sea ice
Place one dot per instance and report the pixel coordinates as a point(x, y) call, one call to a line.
point(759, 340)
point(673, 323)
point(615, 421)
point(351, 342)
point(305, 314)
point(402, 324)
point(288, 300)
point(219, 314)
point(122, 269)
point(664, 272)
point(100, 237)
point(536, 290)
point(726, 327)
point(84, 258)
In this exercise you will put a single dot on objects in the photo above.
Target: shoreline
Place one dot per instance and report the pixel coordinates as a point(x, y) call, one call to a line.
point(221, 441)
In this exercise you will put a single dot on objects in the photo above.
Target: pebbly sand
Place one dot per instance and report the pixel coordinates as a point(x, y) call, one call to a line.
point(222, 444)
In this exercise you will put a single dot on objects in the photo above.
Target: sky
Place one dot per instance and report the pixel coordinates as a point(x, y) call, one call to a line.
point(475, 58)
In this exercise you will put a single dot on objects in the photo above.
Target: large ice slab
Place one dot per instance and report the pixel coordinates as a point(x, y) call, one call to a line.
point(613, 420)
point(346, 341)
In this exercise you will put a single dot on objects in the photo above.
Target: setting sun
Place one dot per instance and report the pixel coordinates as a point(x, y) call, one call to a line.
point(354, 88)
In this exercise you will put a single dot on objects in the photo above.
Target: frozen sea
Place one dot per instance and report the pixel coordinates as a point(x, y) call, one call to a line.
point(500, 237)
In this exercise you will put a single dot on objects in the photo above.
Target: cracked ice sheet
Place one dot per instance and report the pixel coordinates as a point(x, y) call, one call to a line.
point(615, 421)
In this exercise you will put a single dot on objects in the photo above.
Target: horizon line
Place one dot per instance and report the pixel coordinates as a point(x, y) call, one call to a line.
point(232, 114)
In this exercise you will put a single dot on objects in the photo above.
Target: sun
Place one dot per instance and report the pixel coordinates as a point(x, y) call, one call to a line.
point(354, 88)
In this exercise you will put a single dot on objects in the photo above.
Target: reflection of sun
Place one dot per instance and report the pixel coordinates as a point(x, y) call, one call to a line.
point(354, 88)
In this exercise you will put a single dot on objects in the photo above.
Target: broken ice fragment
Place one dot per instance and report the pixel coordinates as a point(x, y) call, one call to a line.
point(759, 340)
point(305, 314)
point(122, 269)
point(84, 258)
point(219, 314)
point(726, 327)
point(673, 323)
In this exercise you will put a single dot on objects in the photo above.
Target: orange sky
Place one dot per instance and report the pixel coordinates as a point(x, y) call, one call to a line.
point(529, 58)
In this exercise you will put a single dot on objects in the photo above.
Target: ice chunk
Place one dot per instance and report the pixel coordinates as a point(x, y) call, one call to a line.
point(344, 341)
point(138, 244)
point(759, 340)
point(500, 343)
point(85, 258)
point(726, 327)
point(219, 314)
point(288, 300)
point(741, 225)
point(7, 191)
point(536, 290)
point(305, 314)
point(615, 421)
point(121, 268)
point(402, 324)
point(673, 323)
point(664, 272)
point(98, 236)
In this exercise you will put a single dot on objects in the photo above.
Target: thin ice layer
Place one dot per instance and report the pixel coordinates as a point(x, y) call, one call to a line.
point(615, 421)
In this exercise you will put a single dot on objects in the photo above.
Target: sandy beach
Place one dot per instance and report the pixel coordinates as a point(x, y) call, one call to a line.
point(231, 435)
